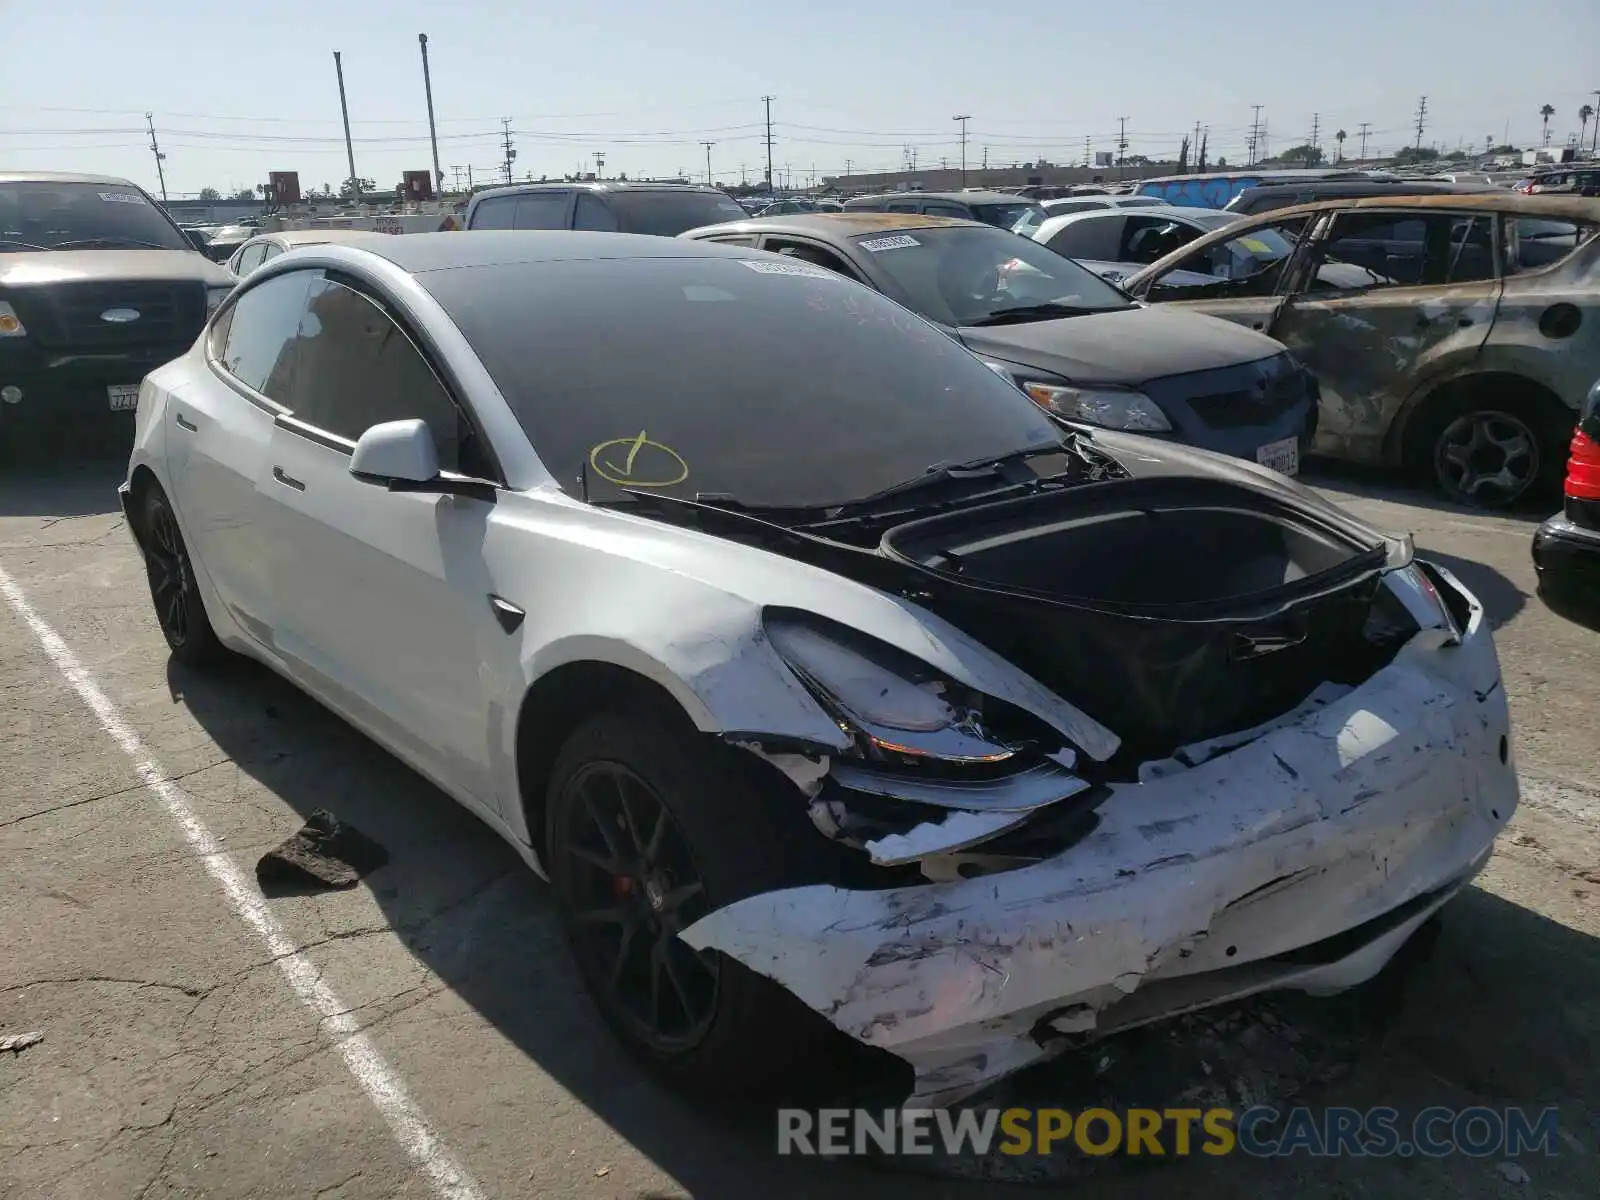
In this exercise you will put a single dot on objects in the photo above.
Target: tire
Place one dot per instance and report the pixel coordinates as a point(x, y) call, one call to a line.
point(732, 832)
point(174, 592)
point(1491, 452)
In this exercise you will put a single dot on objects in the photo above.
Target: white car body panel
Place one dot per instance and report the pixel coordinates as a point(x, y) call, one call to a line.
point(1337, 813)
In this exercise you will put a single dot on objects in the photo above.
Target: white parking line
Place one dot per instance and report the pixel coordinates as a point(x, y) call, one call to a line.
point(377, 1078)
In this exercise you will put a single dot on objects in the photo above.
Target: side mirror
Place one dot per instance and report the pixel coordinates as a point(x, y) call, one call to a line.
point(401, 456)
point(396, 452)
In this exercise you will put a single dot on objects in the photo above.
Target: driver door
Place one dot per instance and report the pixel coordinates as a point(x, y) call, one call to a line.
point(1242, 279)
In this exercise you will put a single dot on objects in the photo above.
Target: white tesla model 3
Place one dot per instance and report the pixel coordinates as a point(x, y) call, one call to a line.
point(831, 681)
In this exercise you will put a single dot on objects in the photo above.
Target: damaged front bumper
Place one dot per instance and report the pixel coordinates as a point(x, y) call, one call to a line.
point(1302, 859)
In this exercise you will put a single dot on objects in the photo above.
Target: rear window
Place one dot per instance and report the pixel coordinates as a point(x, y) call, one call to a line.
point(1532, 244)
point(667, 214)
point(773, 382)
point(1006, 216)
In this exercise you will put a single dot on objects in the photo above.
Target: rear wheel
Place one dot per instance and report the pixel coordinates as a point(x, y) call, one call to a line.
point(179, 609)
point(649, 828)
point(1490, 452)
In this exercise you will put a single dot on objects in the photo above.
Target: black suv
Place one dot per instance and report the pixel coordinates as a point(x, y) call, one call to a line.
point(664, 210)
point(98, 287)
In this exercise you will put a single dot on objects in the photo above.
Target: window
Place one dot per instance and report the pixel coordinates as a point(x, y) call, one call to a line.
point(907, 206)
point(1251, 264)
point(272, 252)
point(735, 239)
point(1149, 239)
point(250, 258)
point(667, 214)
point(1377, 249)
point(942, 208)
point(262, 323)
point(592, 213)
point(541, 210)
point(806, 252)
point(1061, 208)
point(356, 368)
point(1095, 238)
point(1531, 244)
point(86, 216)
point(1004, 216)
point(497, 212)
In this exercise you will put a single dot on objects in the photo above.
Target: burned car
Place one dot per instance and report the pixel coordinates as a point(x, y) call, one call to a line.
point(1452, 335)
point(835, 685)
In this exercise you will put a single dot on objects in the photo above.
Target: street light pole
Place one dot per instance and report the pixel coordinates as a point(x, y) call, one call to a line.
point(963, 120)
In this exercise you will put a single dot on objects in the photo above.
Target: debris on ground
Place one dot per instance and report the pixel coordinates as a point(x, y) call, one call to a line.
point(326, 852)
point(18, 1042)
point(1513, 1172)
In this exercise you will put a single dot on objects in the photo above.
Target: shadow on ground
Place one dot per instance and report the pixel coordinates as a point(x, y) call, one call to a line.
point(85, 487)
point(1500, 595)
point(1503, 1012)
point(1383, 483)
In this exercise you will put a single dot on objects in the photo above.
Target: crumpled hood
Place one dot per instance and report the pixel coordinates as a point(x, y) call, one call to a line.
point(1128, 347)
point(113, 266)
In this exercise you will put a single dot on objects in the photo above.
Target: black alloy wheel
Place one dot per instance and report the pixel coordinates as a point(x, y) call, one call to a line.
point(629, 886)
point(180, 611)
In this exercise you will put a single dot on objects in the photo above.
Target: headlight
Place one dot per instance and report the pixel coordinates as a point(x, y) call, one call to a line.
point(10, 323)
point(898, 706)
point(215, 296)
point(1100, 406)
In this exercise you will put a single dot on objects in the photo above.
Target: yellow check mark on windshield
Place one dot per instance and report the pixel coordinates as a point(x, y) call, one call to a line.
point(638, 443)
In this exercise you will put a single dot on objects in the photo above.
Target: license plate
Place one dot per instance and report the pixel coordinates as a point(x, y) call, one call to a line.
point(123, 395)
point(1283, 457)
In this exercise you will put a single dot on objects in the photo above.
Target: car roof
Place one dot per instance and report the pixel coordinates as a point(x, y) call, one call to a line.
point(1572, 208)
point(959, 197)
point(61, 177)
point(597, 185)
point(1372, 187)
point(837, 227)
point(419, 253)
point(312, 237)
point(1056, 222)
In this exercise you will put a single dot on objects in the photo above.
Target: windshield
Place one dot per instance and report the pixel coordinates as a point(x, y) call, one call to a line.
point(667, 214)
point(966, 274)
point(85, 216)
point(773, 383)
point(1006, 216)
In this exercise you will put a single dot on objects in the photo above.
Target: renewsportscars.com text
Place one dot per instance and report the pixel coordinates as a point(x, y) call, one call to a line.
point(1260, 1131)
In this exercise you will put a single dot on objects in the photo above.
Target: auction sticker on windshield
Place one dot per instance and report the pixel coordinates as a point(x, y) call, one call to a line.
point(1282, 456)
point(898, 242)
point(122, 198)
point(789, 268)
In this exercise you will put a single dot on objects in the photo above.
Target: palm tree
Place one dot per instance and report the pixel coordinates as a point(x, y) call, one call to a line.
point(1584, 114)
point(1547, 111)
point(1340, 137)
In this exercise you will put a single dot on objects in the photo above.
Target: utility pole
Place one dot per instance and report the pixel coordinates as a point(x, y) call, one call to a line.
point(1316, 129)
point(505, 134)
point(1122, 143)
point(1594, 146)
point(456, 171)
point(1087, 156)
point(963, 122)
point(847, 168)
point(433, 134)
point(349, 146)
point(1365, 125)
point(708, 146)
point(1255, 135)
point(985, 166)
point(156, 150)
point(767, 100)
point(1422, 119)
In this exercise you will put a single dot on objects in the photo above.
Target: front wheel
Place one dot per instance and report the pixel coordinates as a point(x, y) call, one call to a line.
point(179, 609)
point(649, 828)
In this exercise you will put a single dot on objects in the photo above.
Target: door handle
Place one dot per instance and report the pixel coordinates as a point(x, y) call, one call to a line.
point(287, 480)
point(185, 423)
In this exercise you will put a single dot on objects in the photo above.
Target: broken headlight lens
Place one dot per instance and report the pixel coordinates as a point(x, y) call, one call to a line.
point(897, 706)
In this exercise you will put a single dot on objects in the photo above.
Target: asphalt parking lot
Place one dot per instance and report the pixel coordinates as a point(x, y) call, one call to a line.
point(423, 1034)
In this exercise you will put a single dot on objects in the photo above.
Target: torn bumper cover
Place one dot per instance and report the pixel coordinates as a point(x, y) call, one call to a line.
point(1302, 859)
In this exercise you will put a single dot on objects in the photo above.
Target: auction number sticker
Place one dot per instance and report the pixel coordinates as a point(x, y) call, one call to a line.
point(789, 268)
point(122, 197)
point(898, 242)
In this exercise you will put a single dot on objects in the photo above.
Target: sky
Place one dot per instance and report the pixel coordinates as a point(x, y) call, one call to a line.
point(237, 90)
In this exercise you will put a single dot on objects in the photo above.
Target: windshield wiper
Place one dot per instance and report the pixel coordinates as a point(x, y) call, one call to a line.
point(1033, 312)
point(941, 473)
point(24, 245)
point(109, 241)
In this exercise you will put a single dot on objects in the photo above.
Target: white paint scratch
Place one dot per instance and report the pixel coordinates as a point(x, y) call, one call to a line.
point(383, 1086)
